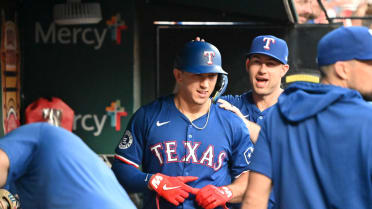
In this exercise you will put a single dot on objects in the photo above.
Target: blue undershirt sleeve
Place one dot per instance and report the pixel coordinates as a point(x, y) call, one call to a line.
point(131, 178)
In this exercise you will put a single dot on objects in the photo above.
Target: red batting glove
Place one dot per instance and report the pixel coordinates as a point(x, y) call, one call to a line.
point(173, 189)
point(210, 196)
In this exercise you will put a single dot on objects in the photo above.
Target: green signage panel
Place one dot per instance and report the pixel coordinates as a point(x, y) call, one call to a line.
point(87, 62)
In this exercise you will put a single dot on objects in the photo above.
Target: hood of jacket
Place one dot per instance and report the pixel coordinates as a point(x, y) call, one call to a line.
point(302, 100)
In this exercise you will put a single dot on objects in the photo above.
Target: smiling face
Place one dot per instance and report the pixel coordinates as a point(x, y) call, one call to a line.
point(195, 88)
point(265, 74)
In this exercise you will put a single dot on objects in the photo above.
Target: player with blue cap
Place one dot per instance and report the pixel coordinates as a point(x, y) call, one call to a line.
point(315, 147)
point(266, 64)
point(193, 154)
point(271, 46)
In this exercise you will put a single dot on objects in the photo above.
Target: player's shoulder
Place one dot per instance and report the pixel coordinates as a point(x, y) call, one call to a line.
point(364, 111)
point(239, 100)
point(369, 106)
point(236, 96)
point(36, 125)
point(157, 104)
point(227, 115)
point(41, 133)
point(35, 128)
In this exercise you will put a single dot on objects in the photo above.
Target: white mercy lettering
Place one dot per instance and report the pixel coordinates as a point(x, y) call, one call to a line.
point(87, 124)
point(69, 35)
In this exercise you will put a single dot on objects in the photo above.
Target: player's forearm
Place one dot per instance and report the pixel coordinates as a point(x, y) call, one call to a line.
point(4, 167)
point(254, 201)
point(238, 188)
point(131, 178)
point(254, 130)
point(258, 191)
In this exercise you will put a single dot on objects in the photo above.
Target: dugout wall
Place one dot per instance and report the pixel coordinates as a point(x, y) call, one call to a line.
point(234, 41)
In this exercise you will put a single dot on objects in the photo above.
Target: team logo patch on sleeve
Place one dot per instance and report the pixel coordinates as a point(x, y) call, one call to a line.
point(126, 141)
point(248, 154)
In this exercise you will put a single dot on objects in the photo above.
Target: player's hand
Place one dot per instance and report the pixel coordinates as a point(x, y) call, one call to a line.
point(210, 196)
point(199, 39)
point(173, 189)
point(254, 128)
point(227, 106)
point(7, 200)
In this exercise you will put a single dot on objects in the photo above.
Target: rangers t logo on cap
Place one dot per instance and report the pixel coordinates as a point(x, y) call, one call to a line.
point(273, 47)
point(268, 42)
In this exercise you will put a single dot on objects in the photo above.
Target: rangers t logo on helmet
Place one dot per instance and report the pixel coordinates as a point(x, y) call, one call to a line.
point(209, 55)
point(202, 57)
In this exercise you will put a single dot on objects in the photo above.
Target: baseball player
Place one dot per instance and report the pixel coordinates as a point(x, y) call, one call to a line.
point(193, 154)
point(315, 146)
point(266, 64)
point(54, 169)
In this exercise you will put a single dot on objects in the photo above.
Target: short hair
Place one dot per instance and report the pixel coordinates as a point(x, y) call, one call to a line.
point(324, 71)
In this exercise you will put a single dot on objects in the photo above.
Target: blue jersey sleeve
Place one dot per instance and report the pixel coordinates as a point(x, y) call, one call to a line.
point(20, 145)
point(241, 149)
point(132, 179)
point(130, 148)
point(129, 153)
point(234, 100)
point(261, 158)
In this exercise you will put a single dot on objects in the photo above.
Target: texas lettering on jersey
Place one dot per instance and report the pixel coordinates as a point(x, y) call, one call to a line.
point(160, 139)
point(169, 148)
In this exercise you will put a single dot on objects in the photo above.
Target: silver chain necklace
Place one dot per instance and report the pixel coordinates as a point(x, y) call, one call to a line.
point(206, 123)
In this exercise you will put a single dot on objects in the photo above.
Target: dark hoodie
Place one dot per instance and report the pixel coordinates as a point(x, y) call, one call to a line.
point(316, 146)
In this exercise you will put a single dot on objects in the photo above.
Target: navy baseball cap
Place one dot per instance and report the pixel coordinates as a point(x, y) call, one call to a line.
point(271, 46)
point(345, 43)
